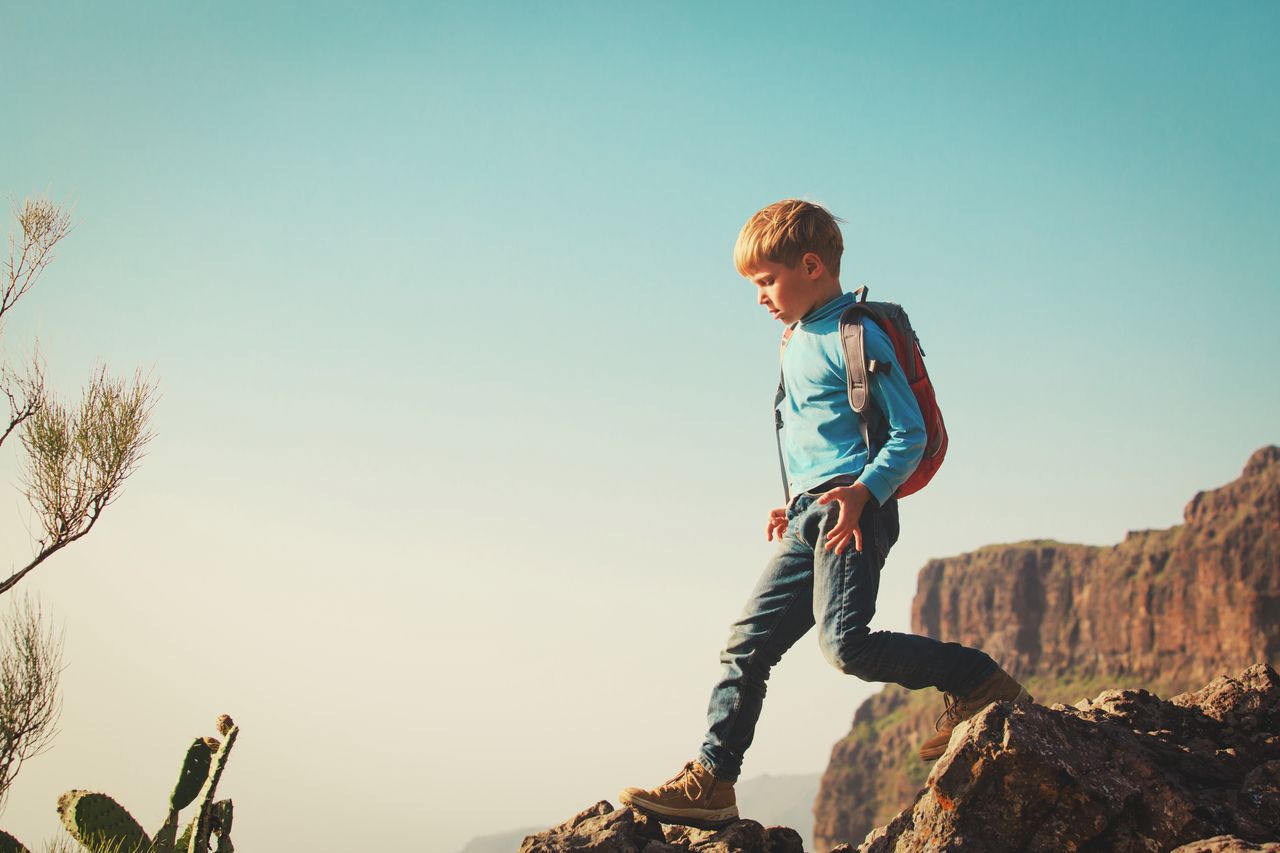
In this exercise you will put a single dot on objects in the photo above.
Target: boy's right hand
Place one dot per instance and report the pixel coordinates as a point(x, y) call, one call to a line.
point(777, 523)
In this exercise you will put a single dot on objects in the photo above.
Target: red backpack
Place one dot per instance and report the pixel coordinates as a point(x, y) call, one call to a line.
point(906, 347)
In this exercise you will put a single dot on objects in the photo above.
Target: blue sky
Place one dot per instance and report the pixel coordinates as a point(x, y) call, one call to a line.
point(463, 455)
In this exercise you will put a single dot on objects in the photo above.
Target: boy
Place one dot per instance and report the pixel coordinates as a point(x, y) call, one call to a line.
point(835, 533)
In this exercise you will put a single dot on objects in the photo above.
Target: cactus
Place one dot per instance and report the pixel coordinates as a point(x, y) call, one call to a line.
point(184, 840)
point(206, 816)
point(96, 819)
point(221, 823)
point(9, 844)
point(195, 769)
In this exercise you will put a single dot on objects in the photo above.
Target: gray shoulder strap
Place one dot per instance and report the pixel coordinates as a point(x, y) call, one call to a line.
point(856, 369)
point(855, 358)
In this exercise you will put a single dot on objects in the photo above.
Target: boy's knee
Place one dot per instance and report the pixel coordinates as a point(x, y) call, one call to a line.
point(846, 653)
point(749, 654)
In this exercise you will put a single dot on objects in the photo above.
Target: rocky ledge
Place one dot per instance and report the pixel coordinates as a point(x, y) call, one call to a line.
point(1127, 771)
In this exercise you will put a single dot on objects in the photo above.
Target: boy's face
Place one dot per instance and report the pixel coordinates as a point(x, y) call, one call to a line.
point(788, 293)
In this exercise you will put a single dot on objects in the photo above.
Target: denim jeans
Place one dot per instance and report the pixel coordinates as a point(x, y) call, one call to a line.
point(803, 585)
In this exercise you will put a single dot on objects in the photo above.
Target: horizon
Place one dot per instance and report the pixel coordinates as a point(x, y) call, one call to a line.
point(462, 455)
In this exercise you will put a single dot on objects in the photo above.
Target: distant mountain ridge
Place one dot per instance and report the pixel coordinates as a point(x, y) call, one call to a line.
point(1167, 610)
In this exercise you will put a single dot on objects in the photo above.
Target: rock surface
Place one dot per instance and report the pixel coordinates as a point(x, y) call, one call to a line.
point(1166, 610)
point(1224, 844)
point(604, 829)
point(1126, 771)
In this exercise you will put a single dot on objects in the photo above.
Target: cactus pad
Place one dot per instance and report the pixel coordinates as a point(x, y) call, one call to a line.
point(195, 769)
point(9, 844)
point(94, 819)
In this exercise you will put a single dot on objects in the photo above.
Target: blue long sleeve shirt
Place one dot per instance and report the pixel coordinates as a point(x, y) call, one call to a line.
point(822, 438)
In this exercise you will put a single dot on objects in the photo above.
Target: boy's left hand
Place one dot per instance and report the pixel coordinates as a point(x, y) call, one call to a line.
point(852, 499)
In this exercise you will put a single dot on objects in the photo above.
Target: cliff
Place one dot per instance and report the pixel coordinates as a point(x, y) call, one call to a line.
point(1166, 610)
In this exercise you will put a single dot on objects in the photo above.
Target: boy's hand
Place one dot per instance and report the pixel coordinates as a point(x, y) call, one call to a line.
point(853, 499)
point(777, 523)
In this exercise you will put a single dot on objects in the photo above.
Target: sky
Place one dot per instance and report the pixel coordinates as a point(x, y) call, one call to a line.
point(463, 447)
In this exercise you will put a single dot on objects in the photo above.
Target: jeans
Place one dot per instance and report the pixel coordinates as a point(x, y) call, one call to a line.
point(803, 585)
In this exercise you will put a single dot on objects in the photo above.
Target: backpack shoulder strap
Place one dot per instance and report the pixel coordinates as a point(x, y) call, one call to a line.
point(854, 347)
point(777, 413)
point(856, 366)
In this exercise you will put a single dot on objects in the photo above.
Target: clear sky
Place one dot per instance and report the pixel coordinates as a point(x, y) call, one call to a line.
point(464, 452)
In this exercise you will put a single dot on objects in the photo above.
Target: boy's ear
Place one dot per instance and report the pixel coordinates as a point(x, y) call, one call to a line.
point(811, 264)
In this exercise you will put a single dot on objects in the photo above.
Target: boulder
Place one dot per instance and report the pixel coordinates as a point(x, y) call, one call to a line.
point(1126, 771)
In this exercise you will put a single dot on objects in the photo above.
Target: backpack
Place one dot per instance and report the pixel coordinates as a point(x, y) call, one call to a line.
point(906, 347)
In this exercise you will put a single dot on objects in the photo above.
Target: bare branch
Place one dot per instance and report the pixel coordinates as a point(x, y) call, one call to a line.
point(30, 665)
point(25, 392)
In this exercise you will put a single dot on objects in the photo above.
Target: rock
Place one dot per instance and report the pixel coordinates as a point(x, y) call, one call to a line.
point(602, 828)
point(1130, 772)
point(599, 828)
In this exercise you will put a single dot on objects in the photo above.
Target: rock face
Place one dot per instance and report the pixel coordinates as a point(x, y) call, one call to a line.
point(1198, 598)
point(1166, 610)
point(1125, 772)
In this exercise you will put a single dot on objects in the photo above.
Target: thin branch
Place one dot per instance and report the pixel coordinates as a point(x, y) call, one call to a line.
point(30, 664)
point(45, 553)
point(43, 225)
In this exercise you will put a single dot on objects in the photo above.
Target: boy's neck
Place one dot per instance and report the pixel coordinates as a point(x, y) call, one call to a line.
point(829, 290)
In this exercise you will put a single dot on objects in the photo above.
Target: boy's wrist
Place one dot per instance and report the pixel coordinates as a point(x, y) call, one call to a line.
point(872, 482)
point(861, 493)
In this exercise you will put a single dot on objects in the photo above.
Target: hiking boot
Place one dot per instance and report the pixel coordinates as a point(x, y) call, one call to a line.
point(1000, 687)
point(692, 797)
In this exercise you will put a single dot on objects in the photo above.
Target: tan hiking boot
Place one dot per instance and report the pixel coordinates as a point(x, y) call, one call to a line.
point(1000, 687)
point(692, 797)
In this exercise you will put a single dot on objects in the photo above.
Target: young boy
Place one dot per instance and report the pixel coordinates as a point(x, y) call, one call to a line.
point(835, 533)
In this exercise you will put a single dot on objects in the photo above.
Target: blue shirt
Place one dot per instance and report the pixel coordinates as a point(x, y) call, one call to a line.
point(822, 437)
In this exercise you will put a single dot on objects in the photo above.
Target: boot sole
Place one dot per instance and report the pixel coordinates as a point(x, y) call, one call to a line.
point(1023, 698)
point(698, 818)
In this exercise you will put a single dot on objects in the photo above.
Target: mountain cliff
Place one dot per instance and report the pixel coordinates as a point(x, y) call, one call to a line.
point(1166, 610)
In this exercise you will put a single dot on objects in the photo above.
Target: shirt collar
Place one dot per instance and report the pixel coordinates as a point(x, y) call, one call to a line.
point(827, 309)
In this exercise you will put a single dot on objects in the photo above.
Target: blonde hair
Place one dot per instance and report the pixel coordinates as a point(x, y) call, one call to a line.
point(784, 231)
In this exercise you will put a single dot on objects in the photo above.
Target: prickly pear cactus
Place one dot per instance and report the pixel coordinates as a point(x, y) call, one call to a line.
point(9, 844)
point(95, 819)
point(195, 769)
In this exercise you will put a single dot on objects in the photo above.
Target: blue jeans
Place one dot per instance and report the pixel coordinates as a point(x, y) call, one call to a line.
point(803, 585)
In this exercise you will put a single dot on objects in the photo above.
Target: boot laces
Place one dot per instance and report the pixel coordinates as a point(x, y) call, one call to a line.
point(952, 712)
point(686, 780)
